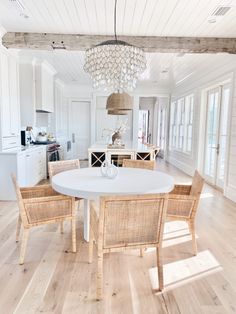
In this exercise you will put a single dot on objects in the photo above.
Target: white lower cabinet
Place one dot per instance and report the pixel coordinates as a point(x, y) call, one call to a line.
point(29, 166)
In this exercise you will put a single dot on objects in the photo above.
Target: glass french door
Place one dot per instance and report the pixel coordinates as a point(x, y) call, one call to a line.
point(216, 134)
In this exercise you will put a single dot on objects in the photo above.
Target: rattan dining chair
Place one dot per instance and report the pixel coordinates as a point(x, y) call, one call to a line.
point(142, 164)
point(55, 167)
point(41, 205)
point(127, 222)
point(183, 203)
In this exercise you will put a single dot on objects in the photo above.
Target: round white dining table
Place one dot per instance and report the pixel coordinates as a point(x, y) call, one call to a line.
point(88, 183)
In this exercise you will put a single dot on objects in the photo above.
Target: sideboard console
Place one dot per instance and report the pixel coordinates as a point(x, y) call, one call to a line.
point(98, 153)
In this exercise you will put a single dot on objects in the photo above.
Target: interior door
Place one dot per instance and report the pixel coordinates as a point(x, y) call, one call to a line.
point(216, 134)
point(79, 124)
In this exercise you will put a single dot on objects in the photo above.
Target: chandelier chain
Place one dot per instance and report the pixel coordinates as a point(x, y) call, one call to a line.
point(115, 17)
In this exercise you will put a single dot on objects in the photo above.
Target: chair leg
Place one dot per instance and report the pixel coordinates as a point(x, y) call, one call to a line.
point(100, 275)
point(73, 234)
point(193, 233)
point(23, 245)
point(141, 252)
point(62, 227)
point(91, 240)
point(160, 269)
point(18, 228)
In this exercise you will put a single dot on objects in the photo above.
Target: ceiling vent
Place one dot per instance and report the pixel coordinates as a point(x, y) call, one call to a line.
point(221, 11)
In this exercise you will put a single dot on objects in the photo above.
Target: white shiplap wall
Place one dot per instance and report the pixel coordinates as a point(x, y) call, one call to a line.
point(230, 190)
point(195, 86)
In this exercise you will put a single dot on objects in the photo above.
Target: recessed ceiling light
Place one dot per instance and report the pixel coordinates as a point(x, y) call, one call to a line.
point(212, 21)
point(24, 15)
point(165, 70)
point(180, 55)
point(20, 8)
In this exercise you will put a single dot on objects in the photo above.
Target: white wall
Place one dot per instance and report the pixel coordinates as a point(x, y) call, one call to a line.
point(230, 188)
point(188, 163)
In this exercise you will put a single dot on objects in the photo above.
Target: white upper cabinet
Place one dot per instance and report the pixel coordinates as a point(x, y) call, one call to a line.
point(44, 83)
point(14, 95)
point(27, 94)
point(36, 90)
point(5, 96)
point(9, 101)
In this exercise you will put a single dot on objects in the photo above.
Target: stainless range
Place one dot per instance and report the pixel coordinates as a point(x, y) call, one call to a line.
point(53, 151)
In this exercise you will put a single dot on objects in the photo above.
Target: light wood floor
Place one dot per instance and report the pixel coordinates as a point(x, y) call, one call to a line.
point(53, 280)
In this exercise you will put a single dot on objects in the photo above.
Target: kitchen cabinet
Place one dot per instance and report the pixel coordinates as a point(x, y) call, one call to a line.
point(44, 87)
point(36, 90)
point(27, 94)
point(29, 166)
point(9, 101)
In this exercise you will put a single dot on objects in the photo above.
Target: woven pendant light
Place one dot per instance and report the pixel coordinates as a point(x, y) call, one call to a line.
point(119, 101)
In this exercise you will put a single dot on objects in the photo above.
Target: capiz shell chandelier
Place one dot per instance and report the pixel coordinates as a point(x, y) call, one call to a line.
point(115, 65)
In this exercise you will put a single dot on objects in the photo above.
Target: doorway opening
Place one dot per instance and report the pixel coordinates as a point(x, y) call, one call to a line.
point(143, 126)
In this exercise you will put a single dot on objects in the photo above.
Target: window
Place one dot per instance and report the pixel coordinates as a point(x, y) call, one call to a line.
point(173, 118)
point(189, 123)
point(181, 124)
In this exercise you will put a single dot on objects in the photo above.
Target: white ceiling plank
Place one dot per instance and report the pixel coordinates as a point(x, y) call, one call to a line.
point(155, 24)
point(149, 16)
point(134, 17)
point(110, 17)
point(129, 13)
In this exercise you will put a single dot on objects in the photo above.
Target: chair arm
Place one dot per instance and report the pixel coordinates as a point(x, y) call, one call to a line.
point(38, 191)
point(36, 187)
point(182, 197)
point(47, 199)
point(181, 189)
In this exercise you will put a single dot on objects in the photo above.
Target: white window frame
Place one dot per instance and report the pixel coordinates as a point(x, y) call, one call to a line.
point(181, 124)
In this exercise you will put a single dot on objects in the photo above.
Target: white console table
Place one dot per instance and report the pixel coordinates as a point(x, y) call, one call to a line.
point(99, 152)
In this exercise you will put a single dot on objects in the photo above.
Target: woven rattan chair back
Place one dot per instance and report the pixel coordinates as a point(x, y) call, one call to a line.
point(197, 184)
point(143, 164)
point(55, 167)
point(132, 220)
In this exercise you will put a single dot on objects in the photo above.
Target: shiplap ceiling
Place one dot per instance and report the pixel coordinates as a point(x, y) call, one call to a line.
point(135, 17)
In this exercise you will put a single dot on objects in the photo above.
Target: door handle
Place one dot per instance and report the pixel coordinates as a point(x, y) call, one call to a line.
point(217, 148)
point(73, 137)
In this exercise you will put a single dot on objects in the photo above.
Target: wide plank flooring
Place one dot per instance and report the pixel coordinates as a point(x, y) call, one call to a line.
point(54, 280)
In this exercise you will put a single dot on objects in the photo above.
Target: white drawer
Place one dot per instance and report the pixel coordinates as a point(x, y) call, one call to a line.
point(9, 142)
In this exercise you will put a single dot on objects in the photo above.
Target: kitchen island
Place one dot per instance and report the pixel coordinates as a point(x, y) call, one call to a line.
point(99, 152)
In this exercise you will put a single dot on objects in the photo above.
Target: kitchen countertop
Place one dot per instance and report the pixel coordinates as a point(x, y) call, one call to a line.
point(128, 147)
point(20, 149)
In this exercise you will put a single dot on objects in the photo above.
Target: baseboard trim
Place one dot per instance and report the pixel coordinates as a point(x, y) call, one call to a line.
point(230, 192)
point(182, 166)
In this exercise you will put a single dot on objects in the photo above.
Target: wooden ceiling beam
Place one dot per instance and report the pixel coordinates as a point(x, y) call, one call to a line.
point(48, 41)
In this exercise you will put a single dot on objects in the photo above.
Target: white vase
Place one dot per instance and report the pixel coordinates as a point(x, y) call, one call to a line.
point(112, 171)
point(104, 167)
